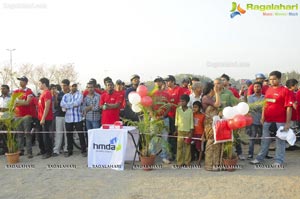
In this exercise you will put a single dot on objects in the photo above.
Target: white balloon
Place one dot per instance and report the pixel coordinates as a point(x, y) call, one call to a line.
point(134, 98)
point(235, 111)
point(136, 108)
point(228, 112)
point(243, 108)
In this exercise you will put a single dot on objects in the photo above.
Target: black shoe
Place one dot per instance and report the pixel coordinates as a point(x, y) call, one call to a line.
point(29, 156)
point(40, 153)
point(45, 156)
point(21, 153)
point(84, 154)
point(269, 157)
point(68, 154)
point(55, 154)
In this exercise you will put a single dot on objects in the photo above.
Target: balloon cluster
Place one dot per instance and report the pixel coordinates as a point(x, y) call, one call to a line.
point(139, 98)
point(236, 116)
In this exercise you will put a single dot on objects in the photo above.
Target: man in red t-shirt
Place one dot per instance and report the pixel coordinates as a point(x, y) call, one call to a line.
point(121, 92)
point(97, 90)
point(259, 77)
point(45, 116)
point(110, 103)
point(278, 110)
point(185, 86)
point(24, 113)
point(225, 79)
point(292, 85)
point(161, 107)
point(174, 92)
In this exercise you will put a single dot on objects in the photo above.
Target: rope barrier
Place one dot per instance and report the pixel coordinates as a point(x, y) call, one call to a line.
point(160, 135)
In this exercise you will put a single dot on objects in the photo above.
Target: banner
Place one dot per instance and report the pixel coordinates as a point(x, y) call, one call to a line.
point(107, 148)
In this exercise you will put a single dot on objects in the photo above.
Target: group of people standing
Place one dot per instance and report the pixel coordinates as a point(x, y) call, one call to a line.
point(191, 107)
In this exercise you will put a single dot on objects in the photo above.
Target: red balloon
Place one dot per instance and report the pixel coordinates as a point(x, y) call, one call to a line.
point(239, 121)
point(231, 124)
point(249, 120)
point(146, 101)
point(142, 90)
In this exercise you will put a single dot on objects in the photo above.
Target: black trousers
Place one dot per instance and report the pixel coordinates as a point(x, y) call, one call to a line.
point(172, 140)
point(45, 142)
point(70, 130)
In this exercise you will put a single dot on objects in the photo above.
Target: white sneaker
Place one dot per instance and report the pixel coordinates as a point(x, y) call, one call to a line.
point(255, 161)
point(241, 157)
point(166, 161)
point(277, 165)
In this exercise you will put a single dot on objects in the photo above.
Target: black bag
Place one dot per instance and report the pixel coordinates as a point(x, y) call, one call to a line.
point(273, 129)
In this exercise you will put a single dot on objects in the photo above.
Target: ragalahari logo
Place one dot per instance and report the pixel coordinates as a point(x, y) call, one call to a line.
point(236, 10)
point(115, 142)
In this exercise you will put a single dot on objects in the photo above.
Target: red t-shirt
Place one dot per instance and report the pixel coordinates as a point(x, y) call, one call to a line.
point(22, 111)
point(294, 111)
point(33, 107)
point(198, 123)
point(263, 90)
point(298, 105)
point(277, 100)
point(186, 90)
point(122, 98)
point(234, 92)
point(46, 95)
point(97, 90)
point(160, 99)
point(109, 116)
point(174, 94)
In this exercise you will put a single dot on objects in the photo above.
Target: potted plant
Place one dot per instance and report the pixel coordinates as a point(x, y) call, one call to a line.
point(149, 128)
point(11, 124)
point(229, 157)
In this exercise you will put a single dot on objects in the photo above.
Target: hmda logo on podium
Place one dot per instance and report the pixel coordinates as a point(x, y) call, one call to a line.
point(113, 145)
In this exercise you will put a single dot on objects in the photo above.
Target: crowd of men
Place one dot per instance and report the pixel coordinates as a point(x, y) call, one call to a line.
point(60, 109)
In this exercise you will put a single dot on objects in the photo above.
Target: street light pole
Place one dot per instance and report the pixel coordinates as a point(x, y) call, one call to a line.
point(11, 79)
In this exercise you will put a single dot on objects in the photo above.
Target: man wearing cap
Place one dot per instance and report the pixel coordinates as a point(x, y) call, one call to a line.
point(259, 77)
point(161, 107)
point(110, 103)
point(71, 103)
point(23, 113)
point(174, 92)
point(244, 90)
point(128, 113)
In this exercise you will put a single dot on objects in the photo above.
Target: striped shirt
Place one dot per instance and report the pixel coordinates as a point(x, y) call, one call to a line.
point(94, 114)
point(71, 102)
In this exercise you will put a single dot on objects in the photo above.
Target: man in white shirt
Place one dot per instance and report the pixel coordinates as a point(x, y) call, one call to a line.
point(4, 100)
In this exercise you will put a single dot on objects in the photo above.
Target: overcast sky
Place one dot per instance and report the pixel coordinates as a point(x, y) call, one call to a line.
point(118, 38)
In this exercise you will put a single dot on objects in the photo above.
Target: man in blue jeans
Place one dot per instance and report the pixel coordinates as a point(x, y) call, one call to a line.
point(91, 110)
point(278, 109)
point(256, 127)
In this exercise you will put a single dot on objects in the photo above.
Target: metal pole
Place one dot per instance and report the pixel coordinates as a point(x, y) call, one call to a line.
point(11, 67)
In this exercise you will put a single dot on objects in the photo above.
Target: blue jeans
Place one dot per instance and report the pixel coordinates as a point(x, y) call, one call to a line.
point(253, 132)
point(92, 124)
point(265, 143)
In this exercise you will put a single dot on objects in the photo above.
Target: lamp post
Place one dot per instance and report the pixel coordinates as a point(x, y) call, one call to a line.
point(11, 80)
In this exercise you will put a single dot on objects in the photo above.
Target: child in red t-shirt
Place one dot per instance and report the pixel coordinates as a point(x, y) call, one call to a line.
point(198, 128)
